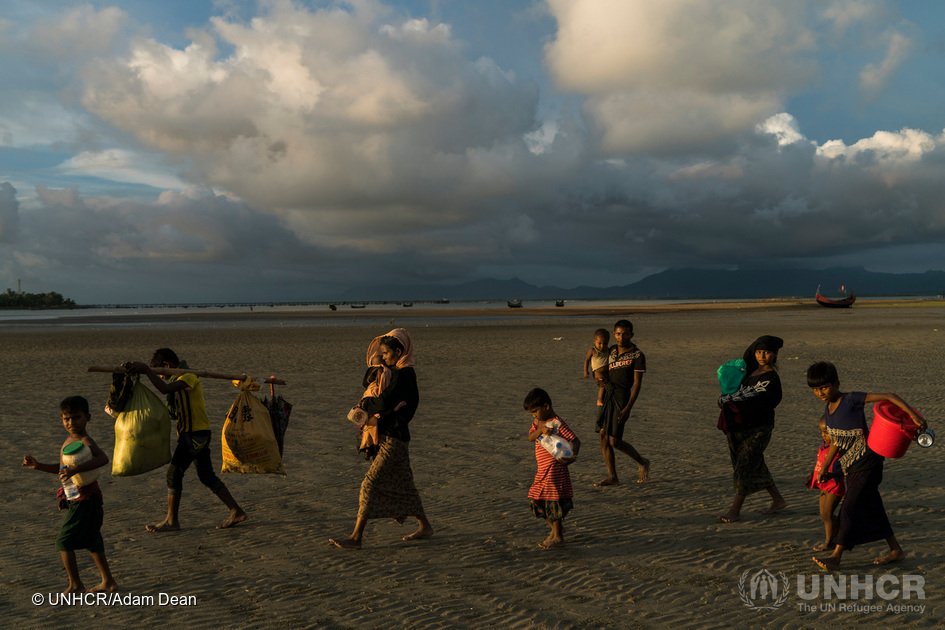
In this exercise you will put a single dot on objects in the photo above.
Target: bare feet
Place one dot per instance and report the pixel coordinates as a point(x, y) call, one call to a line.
point(163, 526)
point(236, 516)
point(609, 481)
point(827, 563)
point(550, 543)
point(729, 518)
point(74, 588)
point(894, 555)
point(821, 547)
point(424, 531)
point(345, 543)
point(105, 587)
point(775, 507)
point(644, 472)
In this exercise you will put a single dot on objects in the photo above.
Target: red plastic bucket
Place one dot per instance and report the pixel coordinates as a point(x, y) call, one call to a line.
point(892, 430)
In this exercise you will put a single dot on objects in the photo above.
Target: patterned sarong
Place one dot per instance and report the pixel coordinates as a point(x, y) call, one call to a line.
point(747, 449)
point(551, 510)
point(388, 490)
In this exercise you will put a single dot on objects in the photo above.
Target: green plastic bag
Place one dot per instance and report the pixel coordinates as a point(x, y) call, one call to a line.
point(731, 373)
point(142, 434)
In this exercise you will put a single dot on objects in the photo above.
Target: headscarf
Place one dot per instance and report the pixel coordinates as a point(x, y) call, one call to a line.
point(373, 360)
point(764, 342)
point(369, 434)
point(374, 349)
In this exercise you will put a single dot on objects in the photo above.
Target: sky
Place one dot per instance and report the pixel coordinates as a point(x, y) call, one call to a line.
point(231, 150)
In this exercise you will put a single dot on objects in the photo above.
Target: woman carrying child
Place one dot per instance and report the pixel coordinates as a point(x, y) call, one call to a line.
point(862, 514)
point(388, 490)
point(748, 421)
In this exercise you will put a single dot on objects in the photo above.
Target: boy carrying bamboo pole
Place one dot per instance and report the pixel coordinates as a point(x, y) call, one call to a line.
point(189, 408)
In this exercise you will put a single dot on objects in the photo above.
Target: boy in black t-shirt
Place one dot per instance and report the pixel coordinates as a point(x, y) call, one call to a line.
point(625, 370)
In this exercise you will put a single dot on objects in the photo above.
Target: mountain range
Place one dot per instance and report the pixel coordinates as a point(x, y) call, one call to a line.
point(681, 284)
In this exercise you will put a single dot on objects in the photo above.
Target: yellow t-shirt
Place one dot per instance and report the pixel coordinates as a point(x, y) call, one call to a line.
point(189, 407)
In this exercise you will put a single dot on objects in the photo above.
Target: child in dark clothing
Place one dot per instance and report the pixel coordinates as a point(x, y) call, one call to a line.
point(862, 514)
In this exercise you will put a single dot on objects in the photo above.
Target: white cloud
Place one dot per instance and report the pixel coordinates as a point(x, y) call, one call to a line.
point(678, 74)
point(317, 137)
point(39, 120)
point(419, 31)
point(673, 122)
point(874, 77)
point(40, 68)
point(541, 139)
point(782, 126)
point(885, 148)
point(315, 107)
point(844, 14)
point(896, 160)
point(79, 32)
point(121, 165)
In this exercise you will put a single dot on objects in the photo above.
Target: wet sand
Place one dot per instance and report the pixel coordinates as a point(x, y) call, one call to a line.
point(651, 555)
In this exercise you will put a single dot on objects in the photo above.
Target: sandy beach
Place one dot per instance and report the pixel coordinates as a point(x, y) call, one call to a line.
point(637, 556)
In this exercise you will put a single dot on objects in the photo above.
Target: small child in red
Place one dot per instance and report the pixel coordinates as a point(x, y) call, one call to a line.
point(831, 488)
point(551, 493)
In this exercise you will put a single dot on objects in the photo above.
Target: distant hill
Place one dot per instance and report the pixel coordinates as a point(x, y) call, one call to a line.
point(681, 284)
point(769, 283)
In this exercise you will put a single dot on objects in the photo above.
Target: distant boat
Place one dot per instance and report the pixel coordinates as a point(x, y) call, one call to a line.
point(559, 302)
point(443, 301)
point(515, 303)
point(333, 307)
point(842, 302)
point(358, 305)
point(407, 304)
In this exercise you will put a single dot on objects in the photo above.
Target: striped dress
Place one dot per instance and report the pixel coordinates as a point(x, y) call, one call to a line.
point(552, 480)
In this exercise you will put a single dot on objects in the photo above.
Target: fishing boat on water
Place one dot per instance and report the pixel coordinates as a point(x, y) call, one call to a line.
point(846, 301)
point(559, 302)
point(515, 303)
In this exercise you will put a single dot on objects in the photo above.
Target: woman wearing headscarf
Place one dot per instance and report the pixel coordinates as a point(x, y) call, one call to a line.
point(747, 418)
point(388, 490)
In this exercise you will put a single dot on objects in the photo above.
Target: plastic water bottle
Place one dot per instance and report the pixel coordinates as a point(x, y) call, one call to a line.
point(71, 490)
point(559, 447)
point(926, 438)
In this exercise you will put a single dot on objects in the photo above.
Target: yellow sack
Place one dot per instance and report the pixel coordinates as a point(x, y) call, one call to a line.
point(142, 434)
point(249, 445)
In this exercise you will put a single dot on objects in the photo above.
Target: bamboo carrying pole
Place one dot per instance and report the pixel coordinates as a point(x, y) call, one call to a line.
point(120, 369)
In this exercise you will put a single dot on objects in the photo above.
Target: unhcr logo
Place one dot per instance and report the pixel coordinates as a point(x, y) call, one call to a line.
point(763, 590)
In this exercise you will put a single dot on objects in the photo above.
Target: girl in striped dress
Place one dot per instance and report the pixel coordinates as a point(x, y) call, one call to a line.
point(551, 493)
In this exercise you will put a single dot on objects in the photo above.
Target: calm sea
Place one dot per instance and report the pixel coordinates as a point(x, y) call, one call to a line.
point(321, 314)
point(191, 315)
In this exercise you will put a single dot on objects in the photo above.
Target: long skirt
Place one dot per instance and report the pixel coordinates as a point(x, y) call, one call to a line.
point(747, 449)
point(387, 490)
point(862, 515)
